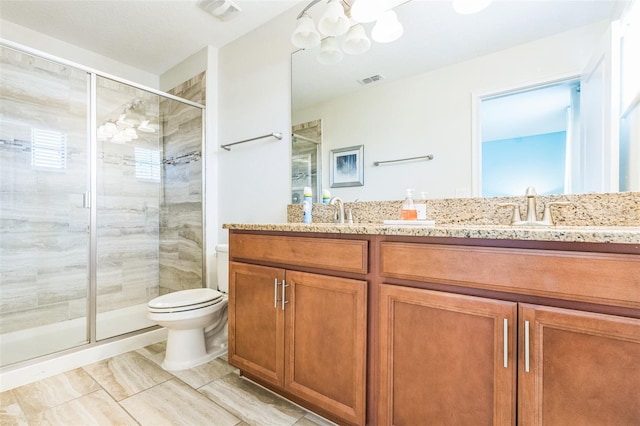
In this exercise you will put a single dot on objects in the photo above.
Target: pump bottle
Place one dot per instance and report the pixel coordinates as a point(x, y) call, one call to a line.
point(408, 211)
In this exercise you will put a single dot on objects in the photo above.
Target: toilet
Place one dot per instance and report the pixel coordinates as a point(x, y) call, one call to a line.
point(196, 320)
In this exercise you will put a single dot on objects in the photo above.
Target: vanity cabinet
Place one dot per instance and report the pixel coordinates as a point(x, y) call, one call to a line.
point(446, 358)
point(301, 333)
point(450, 358)
point(578, 368)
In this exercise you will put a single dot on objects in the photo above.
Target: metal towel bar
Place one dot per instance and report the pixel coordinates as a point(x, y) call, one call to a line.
point(425, 157)
point(276, 135)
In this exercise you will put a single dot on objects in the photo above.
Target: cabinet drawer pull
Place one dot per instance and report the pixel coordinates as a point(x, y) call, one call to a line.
point(275, 293)
point(284, 286)
point(526, 346)
point(505, 339)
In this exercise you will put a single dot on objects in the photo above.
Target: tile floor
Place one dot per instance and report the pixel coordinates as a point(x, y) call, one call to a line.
point(132, 389)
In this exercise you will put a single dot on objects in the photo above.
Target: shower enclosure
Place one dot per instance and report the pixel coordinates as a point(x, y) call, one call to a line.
point(101, 206)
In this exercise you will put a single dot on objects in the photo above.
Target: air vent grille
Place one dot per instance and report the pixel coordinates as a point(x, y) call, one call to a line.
point(371, 80)
point(224, 10)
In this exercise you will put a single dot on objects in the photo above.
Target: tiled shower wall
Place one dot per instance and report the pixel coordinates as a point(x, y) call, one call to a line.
point(181, 227)
point(44, 252)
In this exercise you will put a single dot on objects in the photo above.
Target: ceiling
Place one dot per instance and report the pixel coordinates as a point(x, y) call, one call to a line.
point(436, 36)
point(156, 35)
point(151, 35)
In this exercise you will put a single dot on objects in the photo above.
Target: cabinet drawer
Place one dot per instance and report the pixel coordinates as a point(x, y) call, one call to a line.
point(325, 253)
point(609, 279)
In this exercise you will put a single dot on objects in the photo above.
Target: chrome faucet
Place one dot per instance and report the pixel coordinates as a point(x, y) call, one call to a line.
point(337, 200)
point(531, 216)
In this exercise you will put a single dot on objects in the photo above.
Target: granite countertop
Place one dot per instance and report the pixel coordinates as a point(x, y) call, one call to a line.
point(584, 234)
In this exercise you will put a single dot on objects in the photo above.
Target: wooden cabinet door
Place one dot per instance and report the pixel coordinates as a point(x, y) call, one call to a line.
point(326, 328)
point(578, 368)
point(256, 321)
point(446, 359)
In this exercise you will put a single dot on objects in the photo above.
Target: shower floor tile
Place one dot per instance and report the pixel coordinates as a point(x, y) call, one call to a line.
point(131, 388)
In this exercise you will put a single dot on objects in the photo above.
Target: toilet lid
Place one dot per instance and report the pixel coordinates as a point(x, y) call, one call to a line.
point(185, 298)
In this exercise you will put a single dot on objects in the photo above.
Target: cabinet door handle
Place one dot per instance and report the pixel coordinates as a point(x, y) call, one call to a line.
point(284, 286)
point(526, 346)
point(275, 293)
point(505, 339)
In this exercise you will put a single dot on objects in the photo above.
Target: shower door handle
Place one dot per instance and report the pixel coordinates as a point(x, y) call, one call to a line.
point(86, 200)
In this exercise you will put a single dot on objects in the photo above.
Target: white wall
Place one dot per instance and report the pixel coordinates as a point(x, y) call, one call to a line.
point(69, 52)
point(254, 99)
point(431, 114)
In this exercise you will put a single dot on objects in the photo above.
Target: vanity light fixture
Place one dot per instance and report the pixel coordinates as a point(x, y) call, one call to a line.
point(340, 18)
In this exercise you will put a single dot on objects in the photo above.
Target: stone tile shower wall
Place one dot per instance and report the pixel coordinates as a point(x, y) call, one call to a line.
point(44, 252)
point(128, 206)
point(181, 228)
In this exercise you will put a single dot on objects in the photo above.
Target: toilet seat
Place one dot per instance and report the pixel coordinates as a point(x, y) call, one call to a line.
point(185, 300)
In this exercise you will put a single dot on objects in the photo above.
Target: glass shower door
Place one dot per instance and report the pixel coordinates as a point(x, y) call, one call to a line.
point(128, 176)
point(44, 224)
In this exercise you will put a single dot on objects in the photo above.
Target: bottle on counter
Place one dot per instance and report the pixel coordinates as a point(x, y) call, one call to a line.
point(307, 205)
point(408, 211)
point(421, 206)
point(326, 196)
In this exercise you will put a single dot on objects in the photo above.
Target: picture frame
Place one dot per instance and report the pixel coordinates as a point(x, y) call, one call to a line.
point(346, 166)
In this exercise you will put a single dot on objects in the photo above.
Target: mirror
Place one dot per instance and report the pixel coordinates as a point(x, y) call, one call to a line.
point(420, 95)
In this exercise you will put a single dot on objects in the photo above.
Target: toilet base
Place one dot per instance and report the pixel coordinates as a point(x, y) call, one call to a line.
point(186, 349)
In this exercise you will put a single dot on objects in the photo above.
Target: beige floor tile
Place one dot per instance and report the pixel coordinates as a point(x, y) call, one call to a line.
point(311, 419)
point(53, 391)
point(175, 403)
point(252, 403)
point(10, 411)
point(199, 376)
point(127, 374)
point(96, 408)
point(154, 352)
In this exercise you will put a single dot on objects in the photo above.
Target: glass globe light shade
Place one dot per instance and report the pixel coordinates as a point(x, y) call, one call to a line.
point(334, 22)
point(356, 41)
point(330, 53)
point(387, 28)
point(305, 35)
point(366, 10)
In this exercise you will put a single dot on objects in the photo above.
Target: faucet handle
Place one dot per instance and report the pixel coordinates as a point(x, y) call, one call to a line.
point(516, 212)
point(547, 219)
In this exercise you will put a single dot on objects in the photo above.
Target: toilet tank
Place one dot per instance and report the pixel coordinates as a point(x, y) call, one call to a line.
point(222, 258)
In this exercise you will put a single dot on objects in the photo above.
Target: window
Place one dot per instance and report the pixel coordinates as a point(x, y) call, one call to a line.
point(147, 164)
point(48, 149)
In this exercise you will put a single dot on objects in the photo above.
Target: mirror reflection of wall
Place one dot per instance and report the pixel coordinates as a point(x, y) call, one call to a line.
point(306, 146)
point(528, 138)
point(630, 105)
point(433, 111)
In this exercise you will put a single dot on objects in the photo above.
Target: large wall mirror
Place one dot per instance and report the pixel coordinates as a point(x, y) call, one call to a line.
point(423, 95)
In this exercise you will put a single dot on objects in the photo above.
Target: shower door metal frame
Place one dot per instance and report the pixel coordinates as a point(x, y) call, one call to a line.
point(92, 196)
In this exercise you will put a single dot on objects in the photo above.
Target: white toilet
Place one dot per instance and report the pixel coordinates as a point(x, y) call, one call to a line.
point(196, 320)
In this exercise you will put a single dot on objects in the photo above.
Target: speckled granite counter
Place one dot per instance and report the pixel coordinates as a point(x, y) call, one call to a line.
point(585, 234)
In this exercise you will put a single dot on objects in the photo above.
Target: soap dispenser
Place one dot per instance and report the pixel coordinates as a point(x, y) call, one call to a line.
point(408, 211)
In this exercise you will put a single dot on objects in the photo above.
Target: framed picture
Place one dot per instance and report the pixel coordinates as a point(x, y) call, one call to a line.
point(346, 166)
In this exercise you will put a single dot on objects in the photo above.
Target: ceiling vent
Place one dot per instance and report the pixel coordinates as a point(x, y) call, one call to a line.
point(371, 80)
point(224, 10)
